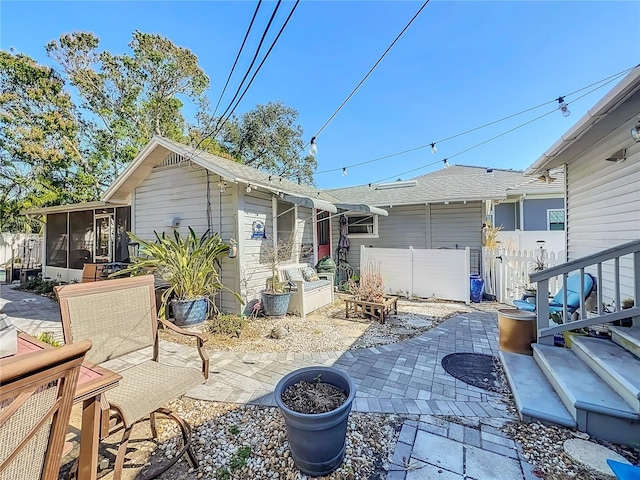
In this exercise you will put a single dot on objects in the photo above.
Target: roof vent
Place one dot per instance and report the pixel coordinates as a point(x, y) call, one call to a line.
point(489, 170)
point(385, 186)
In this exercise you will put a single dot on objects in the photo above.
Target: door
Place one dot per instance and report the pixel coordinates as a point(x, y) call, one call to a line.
point(323, 233)
point(104, 237)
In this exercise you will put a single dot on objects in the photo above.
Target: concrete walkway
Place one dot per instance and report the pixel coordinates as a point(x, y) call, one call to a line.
point(404, 378)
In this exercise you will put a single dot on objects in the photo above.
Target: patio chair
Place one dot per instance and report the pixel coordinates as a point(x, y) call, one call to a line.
point(573, 295)
point(119, 316)
point(36, 396)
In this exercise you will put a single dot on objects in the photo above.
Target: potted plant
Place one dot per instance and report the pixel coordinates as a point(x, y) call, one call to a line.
point(275, 299)
point(188, 267)
point(315, 403)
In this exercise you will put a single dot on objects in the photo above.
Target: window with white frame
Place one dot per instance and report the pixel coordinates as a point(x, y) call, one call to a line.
point(365, 226)
point(555, 219)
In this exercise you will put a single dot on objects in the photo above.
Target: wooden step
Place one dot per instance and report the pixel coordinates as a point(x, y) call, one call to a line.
point(628, 338)
point(614, 364)
point(534, 396)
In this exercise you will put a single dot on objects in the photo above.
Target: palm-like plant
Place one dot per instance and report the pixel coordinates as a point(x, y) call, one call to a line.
point(188, 265)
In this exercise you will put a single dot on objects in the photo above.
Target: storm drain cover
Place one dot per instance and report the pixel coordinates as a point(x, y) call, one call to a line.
point(473, 368)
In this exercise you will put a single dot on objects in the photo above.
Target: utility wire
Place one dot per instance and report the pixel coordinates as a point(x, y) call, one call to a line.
point(273, 44)
point(246, 35)
point(369, 72)
point(600, 84)
point(608, 80)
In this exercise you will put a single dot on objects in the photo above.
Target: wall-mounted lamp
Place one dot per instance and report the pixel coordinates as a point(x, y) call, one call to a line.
point(635, 131)
point(248, 188)
point(223, 186)
point(233, 248)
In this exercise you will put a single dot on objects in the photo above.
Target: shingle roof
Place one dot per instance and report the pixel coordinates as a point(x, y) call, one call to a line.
point(456, 183)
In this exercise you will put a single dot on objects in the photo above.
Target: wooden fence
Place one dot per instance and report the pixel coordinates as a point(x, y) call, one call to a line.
point(506, 272)
point(425, 273)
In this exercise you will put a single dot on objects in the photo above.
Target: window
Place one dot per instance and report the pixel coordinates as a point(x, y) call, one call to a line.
point(362, 226)
point(555, 219)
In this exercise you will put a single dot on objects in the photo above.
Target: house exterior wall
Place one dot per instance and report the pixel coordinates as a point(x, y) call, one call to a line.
point(505, 216)
point(603, 208)
point(173, 191)
point(535, 212)
point(421, 226)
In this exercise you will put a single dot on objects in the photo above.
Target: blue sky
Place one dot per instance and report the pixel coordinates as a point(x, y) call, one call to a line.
point(460, 65)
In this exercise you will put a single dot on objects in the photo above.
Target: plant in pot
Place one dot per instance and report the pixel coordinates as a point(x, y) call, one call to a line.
point(188, 268)
point(275, 299)
point(315, 403)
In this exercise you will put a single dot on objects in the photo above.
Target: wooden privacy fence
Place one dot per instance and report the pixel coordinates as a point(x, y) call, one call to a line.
point(506, 272)
point(439, 273)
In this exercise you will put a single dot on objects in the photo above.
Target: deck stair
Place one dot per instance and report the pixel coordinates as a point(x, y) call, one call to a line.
point(594, 386)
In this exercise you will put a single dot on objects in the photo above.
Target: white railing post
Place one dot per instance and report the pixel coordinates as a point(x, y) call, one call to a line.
point(542, 308)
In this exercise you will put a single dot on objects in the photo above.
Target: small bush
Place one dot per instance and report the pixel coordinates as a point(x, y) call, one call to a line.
point(227, 324)
point(47, 337)
point(41, 286)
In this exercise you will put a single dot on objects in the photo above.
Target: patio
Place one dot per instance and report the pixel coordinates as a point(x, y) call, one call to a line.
point(404, 378)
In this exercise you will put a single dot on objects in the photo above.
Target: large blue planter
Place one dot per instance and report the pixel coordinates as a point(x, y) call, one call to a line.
point(190, 312)
point(317, 441)
point(275, 304)
point(477, 288)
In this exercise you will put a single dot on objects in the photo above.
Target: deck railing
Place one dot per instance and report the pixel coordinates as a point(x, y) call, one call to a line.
point(591, 262)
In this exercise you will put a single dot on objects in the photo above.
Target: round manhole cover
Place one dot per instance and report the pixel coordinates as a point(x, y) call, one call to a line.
point(475, 369)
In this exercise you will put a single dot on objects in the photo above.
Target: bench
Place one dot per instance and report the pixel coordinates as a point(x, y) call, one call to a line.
point(306, 296)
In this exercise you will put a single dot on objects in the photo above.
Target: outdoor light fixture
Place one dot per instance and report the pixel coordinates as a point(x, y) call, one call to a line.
point(313, 149)
point(344, 171)
point(223, 186)
point(635, 131)
point(248, 188)
point(434, 149)
point(563, 107)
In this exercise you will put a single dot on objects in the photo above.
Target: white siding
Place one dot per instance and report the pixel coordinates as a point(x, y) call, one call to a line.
point(603, 209)
point(181, 192)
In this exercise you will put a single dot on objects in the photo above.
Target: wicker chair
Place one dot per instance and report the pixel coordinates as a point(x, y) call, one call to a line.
point(119, 316)
point(35, 404)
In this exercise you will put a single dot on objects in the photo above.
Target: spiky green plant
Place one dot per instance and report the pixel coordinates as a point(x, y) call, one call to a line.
point(188, 264)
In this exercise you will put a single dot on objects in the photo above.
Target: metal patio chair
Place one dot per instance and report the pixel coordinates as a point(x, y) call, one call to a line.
point(36, 395)
point(119, 316)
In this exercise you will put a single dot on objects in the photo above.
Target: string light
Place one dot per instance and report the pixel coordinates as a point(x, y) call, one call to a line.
point(563, 107)
point(446, 165)
point(344, 171)
point(434, 149)
point(313, 149)
point(601, 83)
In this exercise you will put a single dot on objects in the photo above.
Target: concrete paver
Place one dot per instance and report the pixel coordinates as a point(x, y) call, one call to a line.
point(405, 378)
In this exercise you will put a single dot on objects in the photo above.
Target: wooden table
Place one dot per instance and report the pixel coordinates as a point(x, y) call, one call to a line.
point(376, 310)
point(93, 381)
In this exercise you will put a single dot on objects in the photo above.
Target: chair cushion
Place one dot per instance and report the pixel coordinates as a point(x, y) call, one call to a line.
point(294, 274)
point(524, 305)
point(149, 386)
point(309, 274)
point(309, 286)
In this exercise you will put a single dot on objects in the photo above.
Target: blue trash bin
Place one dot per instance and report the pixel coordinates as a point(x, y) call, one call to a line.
point(477, 288)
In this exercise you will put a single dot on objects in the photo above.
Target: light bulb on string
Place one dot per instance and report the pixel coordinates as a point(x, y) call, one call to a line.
point(446, 164)
point(344, 171)
point(563, 107)
point(313, 149)
point(434, 149)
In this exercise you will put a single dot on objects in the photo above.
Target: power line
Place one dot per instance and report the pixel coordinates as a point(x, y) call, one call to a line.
point(246, 35)
point(273, 44)
point(601, 83)
point(369, 72)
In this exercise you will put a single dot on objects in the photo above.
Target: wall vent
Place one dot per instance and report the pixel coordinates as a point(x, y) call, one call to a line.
point(171, 159)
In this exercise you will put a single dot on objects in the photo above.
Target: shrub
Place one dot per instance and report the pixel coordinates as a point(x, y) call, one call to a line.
point(227, 324)
point(370, 288)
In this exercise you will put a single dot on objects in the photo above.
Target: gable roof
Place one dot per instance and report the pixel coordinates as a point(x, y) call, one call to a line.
point(159, 147)
point(616, 112)
point(456, 183)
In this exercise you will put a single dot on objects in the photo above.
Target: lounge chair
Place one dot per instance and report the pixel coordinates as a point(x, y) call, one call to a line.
point(36, 396)
point(119, 316)
point(573, 295)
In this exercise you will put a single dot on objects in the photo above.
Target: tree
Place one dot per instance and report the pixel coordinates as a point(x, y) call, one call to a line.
point(268, 138)
point(129, 97)
point(40, 163)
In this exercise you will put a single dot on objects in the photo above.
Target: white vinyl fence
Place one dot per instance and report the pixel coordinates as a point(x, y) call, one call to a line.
point(440, 273)
point(506, 272)
point(24, 248)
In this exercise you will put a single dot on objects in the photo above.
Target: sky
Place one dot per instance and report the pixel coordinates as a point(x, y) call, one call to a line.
point(460, 65)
